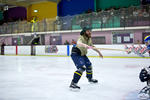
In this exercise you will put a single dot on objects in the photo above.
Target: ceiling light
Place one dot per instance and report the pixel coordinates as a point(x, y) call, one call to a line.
point(35, 10)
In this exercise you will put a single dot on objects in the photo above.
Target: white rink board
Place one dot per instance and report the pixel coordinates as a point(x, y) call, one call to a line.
point(112, 52)
point(24, 50)
point(10, 50)
point(62, 50)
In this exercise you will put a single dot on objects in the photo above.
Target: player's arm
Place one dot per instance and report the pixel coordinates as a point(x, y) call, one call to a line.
point(79, 43)
point(95, 49)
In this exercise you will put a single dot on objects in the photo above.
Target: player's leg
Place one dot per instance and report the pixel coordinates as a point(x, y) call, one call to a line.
point(89, 72)
point(79, 63)
point(76, 77)
point(144, 94)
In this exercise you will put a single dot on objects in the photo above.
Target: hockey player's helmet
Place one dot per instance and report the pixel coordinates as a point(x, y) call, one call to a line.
point(144, 74)
point(147, 39)
point(84, 30)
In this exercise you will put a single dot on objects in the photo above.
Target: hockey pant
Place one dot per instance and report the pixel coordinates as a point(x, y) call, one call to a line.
point(82, 63)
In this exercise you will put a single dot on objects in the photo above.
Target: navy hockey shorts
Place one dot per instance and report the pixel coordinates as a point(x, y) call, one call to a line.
point(80, 61)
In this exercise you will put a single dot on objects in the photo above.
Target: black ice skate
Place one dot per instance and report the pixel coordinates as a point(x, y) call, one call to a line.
point(144, 93)
point(74, 86)
point(93, 80)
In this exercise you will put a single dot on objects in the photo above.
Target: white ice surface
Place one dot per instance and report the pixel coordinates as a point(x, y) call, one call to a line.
point(48, 78)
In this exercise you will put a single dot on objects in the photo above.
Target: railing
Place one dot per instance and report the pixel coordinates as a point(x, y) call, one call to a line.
point(124, 17)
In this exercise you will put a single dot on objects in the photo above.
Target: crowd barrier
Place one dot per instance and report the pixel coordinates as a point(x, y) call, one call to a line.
point(65, 50)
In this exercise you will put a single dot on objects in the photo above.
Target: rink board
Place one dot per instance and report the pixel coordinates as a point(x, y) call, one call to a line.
point(63, 50)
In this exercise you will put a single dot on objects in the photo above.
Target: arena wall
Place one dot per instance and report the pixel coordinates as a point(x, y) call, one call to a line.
point(62, 50)
point(42, 13)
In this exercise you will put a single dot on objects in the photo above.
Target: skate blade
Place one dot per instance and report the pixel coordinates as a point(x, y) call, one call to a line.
point(143, 96)
point(74, 89)
point(93, 83)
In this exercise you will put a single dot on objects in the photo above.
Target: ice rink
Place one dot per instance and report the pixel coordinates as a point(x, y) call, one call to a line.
point(48, 78)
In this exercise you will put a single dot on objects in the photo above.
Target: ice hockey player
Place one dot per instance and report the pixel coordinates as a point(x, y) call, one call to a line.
point(147, 43)
point(144, 76)
point(80, 59)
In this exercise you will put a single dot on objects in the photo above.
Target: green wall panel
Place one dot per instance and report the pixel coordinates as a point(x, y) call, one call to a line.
point(103, 4)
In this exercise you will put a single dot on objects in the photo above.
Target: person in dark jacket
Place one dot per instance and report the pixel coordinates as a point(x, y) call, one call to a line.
point(2, 48)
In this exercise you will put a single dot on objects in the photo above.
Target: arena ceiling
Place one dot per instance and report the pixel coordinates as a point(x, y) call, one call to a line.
point(23, 3)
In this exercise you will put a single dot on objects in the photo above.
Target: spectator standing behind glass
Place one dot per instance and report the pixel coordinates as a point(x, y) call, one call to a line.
point(34, 24)
point(135, 15)
point(73, 42)
point(138, 42)
point(66, 43)
point(2, 48)
point(145, 15)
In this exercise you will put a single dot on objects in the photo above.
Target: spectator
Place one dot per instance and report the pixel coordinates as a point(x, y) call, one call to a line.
point(140, 15)
point(138, 42)
point(135, 12)
point(36, 40)
point(135, 15)
point(66, 42)
point(145, 14)
point(73, 42)
point(34, 24)
point(2, 48)
point(98, 10)
point(104, 21)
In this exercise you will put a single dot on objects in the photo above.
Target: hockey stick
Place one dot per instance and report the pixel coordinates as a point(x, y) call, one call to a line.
point(113, 49)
